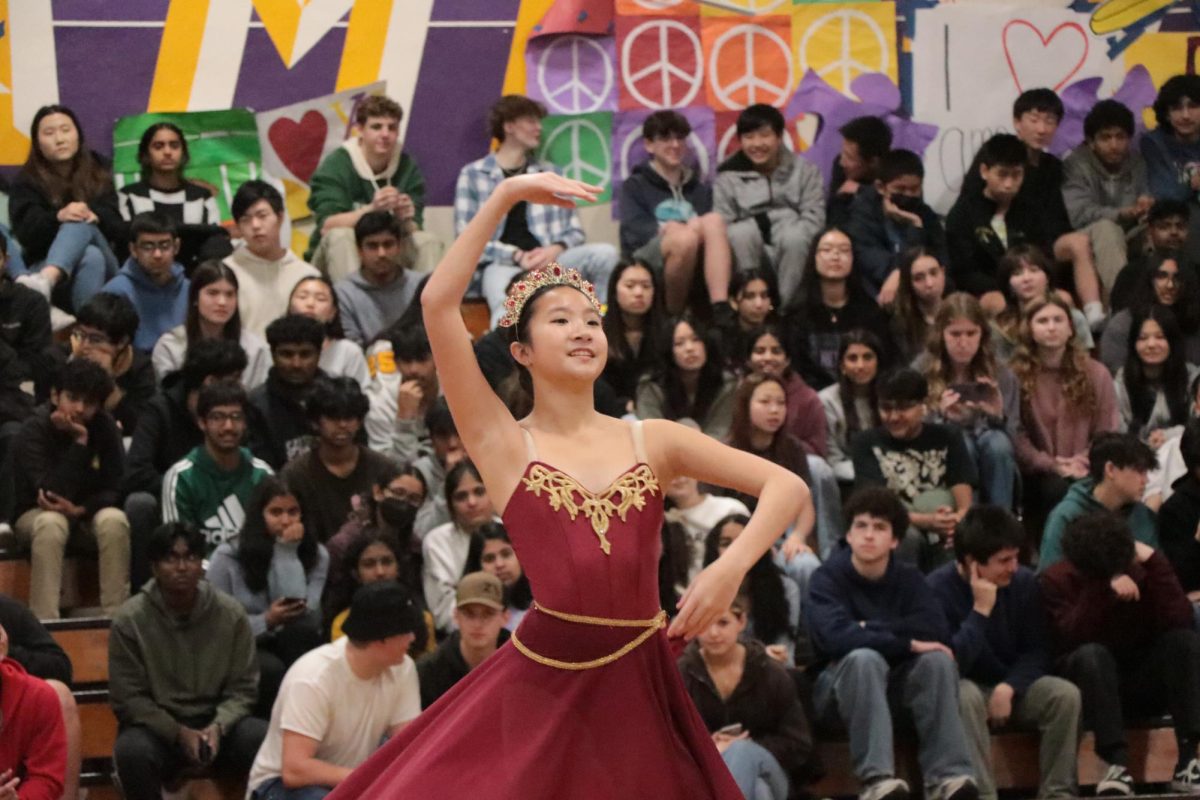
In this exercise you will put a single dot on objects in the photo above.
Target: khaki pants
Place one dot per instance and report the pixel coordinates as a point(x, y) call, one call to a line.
point(46, 533)
point(337, 253)
point(1110, 250)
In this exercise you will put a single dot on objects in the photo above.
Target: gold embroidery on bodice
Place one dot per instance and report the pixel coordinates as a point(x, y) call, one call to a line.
point(627, 491)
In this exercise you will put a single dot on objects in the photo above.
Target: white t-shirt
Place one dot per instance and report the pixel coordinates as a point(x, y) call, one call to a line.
point(321, 698)
point(698, 520)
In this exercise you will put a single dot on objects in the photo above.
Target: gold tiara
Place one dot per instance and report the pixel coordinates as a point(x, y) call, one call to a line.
point(553, 274)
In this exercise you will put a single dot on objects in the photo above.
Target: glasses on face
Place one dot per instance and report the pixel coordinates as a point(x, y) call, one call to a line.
point(221, 417)
point(1166, 277)
point(90, 337)
point(150, 248)
point(412, 498)
point(181, 559)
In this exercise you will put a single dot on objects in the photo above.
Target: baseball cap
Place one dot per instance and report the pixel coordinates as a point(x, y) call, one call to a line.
point(483, 588)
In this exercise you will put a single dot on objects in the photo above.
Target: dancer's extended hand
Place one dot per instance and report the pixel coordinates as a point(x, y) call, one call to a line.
point(548, 188)
point(707, 598)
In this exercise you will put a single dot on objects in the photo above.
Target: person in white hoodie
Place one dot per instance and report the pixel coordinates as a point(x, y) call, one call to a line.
point(266, 271)
point(369, 172)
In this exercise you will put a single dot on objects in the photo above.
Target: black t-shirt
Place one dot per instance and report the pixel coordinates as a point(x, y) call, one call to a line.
point(936, 458)
point(516, 225)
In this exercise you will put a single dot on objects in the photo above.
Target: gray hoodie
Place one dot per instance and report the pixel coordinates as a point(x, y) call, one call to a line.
point(1092, 192)
point(367, 309)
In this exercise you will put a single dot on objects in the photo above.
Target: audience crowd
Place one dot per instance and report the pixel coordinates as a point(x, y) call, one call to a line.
point(998, 413)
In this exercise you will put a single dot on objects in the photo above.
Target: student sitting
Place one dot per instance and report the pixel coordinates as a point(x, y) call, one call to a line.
point(210, 487)
point(445, 548)
point(71, 458)
point(337, 467)
point(33, 751)
point(1116, 480)
point(265, 269)
point(1179, 517)
point(1172, 149)
point(403, 388)
point(770, 199)
point(999, 637)
point(375, 555)
point(1105, 188)
point(1167, 282)
point(1026, 275)
point(865, 141)
point(152, 280)
point(212, 313)
point(1166, 234)
point(754, 298)
point(698, 512)
point(850, 404)
point(634, 327)
point(889, 217)
point(749, 704)
point(926, 464)
point(339, 702)
point(182, 674)
point(492, 552)
point(368, 173)
point(880, 636)
point(480, 615)
point(1123, 629)
point(163, 156)
point(340, 357)
point(276, 570)
point(920, 287)
point(446, 450)
point(692, 383)
point(667, 221)
point(373, 297)
point(64, 212)
point(279, 429)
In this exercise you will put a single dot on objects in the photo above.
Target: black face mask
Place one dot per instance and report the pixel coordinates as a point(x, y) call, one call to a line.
point(907, 203)
point(398, 514)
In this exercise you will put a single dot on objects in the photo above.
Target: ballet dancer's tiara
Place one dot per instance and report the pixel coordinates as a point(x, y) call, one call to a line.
point(553, 274)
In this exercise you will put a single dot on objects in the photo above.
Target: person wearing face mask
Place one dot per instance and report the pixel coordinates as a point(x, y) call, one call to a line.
point(389, 506)
point(890, 217)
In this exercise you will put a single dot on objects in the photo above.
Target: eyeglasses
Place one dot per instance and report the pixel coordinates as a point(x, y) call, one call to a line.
point(148, 248)
point(181, 559)
point(412, 498)
point(89, 337)
point(220, 417)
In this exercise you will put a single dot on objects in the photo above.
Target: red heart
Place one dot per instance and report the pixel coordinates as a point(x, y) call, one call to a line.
point(1074, 26)
point(299, 144)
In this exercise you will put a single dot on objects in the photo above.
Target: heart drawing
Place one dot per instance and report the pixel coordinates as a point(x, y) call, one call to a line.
point(299, 144)
point(1035, 59)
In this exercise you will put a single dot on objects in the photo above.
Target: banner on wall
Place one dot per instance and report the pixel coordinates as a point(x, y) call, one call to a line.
point(296, 137)
point(581, 145)
point(223, 149)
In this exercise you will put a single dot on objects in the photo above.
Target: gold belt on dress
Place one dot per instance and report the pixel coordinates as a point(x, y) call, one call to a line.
point(656, 623)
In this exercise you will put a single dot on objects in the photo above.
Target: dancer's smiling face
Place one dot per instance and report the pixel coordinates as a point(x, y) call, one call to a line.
point(560, 334)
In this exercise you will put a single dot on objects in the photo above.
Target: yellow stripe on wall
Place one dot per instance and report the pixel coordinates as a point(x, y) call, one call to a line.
point(281, 18)
point(531, 14)
point(178, 55)
point(362, 54)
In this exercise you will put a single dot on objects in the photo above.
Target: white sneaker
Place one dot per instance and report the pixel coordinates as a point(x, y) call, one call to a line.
point(1117, 782)
point(38, 282)
point(960, 787)
point(60, 320)
point(885, 789)
point(1187, 780)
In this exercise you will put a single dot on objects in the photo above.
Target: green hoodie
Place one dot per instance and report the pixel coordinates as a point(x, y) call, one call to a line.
point(1078, 501)
point(198, 491)
point(165, 671)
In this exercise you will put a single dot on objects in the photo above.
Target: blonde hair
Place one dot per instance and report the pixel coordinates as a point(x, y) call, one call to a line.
point(1077, 387)
point(959, 305)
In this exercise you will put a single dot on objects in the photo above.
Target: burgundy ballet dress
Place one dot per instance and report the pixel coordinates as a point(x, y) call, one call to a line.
point(585, 702)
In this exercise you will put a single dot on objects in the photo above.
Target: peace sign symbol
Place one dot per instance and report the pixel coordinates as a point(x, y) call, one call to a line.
point(844, 27)
point(574, 153)
point(665, 70)
point(578, 56)
point(749, 83)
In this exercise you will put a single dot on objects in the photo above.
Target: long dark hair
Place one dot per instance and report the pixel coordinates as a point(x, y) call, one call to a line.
point(520, 594)
point(711, 379)
point(86, 177)
point(333, 328)
point(808, 296)
point(454, 477)
point(1174, 380)
point(906, 310)
point(652, 321)
point(206, 274)
point(519, 331)
point(368, 509)
point(744, 277)
point(1187, 300)
point(763, 585)
point(143, 151)
point(784, 450)
point(256, 546)
point(770, 327)
point(859, 336)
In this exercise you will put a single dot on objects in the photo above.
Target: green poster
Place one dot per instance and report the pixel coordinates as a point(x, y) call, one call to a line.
point(581, 145)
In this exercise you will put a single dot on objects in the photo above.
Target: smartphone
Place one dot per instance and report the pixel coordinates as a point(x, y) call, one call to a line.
point(975, 392)
point(732, 730)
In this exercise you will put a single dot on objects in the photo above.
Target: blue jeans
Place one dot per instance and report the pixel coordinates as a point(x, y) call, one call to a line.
point(594, 261)
point(755, 771)
point(996, 460)
point(275, 790)
point(15, 264)
point(827, 499)
point(80, 250)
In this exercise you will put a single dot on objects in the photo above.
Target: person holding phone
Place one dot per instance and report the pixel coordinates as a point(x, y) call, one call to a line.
point(970, 389)
point(748, 701)
point(276, 569)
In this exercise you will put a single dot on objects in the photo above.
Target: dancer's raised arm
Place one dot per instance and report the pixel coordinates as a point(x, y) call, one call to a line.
point(488, 430)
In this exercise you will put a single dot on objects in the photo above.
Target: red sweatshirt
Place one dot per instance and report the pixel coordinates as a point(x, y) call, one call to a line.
point(1084, 609)
point(33, 740)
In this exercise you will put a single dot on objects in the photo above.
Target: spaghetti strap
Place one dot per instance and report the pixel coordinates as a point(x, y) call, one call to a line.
point(529, 446)
point(639, 442)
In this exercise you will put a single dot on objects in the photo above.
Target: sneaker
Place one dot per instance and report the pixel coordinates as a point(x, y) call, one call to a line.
point(1117, 782)
point(1187, 780)
point(60, 320)
point(960, 787)
point(38, 282)
point(885, 789)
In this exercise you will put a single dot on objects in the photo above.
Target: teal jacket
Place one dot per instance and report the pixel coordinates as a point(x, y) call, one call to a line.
point(1078, 501)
